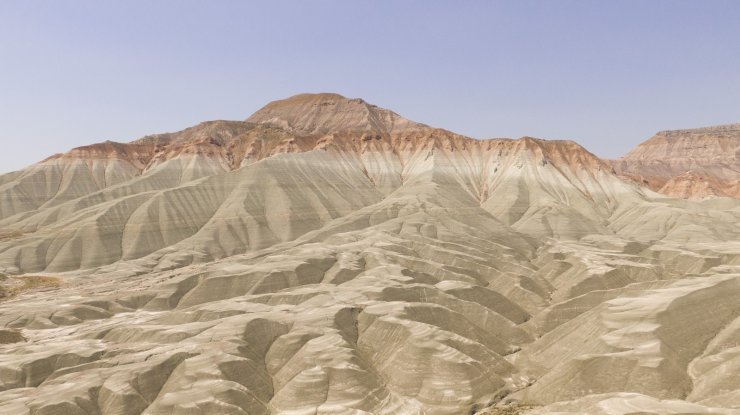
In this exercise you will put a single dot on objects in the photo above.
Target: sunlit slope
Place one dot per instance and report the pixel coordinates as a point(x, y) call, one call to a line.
point(692, 164)
point(538, 188)
point(328, 256)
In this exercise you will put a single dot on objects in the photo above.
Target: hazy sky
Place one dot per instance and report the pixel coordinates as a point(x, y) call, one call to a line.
point(607, 74)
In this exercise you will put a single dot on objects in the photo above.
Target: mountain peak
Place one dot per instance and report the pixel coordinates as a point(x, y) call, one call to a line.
point(324, 113)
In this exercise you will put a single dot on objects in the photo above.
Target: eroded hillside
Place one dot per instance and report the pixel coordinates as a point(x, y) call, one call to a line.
point(327, 256)
point(690, 164)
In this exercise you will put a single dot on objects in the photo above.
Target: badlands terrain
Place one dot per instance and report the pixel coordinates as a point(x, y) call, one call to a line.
point(698, 163)
point(327, 256)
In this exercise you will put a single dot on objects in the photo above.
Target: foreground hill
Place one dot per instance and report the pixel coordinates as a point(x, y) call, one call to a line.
point(329, 256)
point(693, 164)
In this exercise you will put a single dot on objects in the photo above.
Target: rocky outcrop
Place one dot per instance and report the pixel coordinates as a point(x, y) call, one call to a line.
point(694, 164)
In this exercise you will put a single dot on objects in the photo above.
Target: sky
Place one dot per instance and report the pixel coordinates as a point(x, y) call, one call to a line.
point(607, 74)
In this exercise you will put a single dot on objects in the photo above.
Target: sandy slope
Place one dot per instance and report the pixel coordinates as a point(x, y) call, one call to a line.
point(328, 256)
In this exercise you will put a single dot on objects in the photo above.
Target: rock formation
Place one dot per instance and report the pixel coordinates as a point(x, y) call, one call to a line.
point(690, 164)
point(327, 256)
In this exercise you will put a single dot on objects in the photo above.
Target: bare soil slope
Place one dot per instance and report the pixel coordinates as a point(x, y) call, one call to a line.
point(327, 256)
point(691, 164)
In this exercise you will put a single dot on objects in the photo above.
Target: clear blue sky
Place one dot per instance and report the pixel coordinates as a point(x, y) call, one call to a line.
point(607, 74)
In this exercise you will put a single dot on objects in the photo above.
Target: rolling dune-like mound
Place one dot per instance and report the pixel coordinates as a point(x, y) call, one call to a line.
point(327, 256)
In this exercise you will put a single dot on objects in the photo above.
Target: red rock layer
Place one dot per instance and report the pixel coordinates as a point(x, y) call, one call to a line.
point(696, 163)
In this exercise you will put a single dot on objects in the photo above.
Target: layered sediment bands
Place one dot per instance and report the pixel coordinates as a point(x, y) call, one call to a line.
point(691, 164)
point(327, 256)
point(286, 195)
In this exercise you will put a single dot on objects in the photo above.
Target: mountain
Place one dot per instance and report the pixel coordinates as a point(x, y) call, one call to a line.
point(111, 201)
point(695, 163)
point(326, 113)
point(329, 256)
